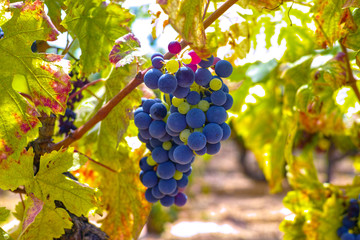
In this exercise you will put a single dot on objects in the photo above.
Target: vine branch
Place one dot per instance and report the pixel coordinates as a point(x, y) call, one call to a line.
point(85, 87)
point(136, 81)
point(352, 80)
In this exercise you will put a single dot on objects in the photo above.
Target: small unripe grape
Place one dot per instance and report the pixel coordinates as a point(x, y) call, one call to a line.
point(178, 175)
point(203, 105)
point(167, 145)
point(184, 107)
point(215, 84)
point(150, 161)
point(177, 101)
point(184, 135)
point(172, 66)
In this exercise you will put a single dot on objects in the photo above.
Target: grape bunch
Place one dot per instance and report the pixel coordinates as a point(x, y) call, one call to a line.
point(66, 122)
point(350, 229)
point(189, 121)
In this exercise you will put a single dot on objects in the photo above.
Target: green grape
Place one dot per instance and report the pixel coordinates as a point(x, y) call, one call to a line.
point(184, 107)
point(178, 175)
point(172, 66)
point(184, 135)
point(167, 145)
point(150, 161)
point(215, 84)
point(177, 101)
point(203, 105)
point(186, 59)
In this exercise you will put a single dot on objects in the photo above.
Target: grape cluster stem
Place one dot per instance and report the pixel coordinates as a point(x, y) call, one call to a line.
point(136, 81)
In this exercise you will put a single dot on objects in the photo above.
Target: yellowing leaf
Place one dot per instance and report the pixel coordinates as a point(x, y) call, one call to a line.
point(48, 83)
point(185, 17)
point(4, 214)
point(124, 50)
point(96, 24)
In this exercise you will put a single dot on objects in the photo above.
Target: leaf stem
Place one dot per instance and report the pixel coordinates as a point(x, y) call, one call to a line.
point(205, 10)
point(85, 87)
point(136, 81)
point(67, 48)
point(96, 162)
point(352, 80)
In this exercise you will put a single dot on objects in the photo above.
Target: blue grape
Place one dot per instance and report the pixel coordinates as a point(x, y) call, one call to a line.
point(166, 170)
point(155, 142)
point(171, 153)
point(183, 182)
point(158, 111)
point(218, 98)
point(177, 140)
point(147, 105)
point(226, 131)
point(148, 146)
point(145, 133)
point(167, 186)
point(156, 192)
point(225, 88)
point(195, 118)
point(176, 122)
point(348, 222)
point(142, 120)
point(157, 129)
point(202, 76)
point(181, 92)
point(167, 83)
point(223, 68)
point(229, 102)
point(193, 98)
point(157, 62)
point(141, 175)
point(173, 109)
point(157, 55)
point(173, 194)
point(183, 167)
point(150, 179)
point(196, 141)
point(183, 154)
point(201, 151)
point(216, 114)
point(167, 201)
point(149, 197)
point(160, 155)
point(180, 199)
point(151, 78)
point(188, 172)
point(1, 33)
point(213, 133)
point(138, 110)
point(342, 230)
point(144, 140)
point(213, 148)
point(144, 165)
point(348, 236)
point(166, 137)
point(206, 63)
point(171, 132)
point(185, 77)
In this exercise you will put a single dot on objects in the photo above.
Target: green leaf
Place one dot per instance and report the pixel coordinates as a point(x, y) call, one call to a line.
point(96, 24)
point(331, 20)
point(352, 39)
point(44, 75)
point(185, 16)
point(43, 221)
point(54, 12)
point(334, 71)
point(260, 71)
point(4, 214)
point(124, 50)
point(4, 235)
point(50, 184)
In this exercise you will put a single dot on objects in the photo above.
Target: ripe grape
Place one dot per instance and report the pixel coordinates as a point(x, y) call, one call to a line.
point(223, 68)
point(180, 199)
point(156, 192)
point(218, 98)
point(183, 154)
point(181, 92)
point(151, 78)
point(216, 114)
point(202, 76)
point(142, 120)
point(157, 62)
point(167, 201)
point(185, 77)
point(158, 111)
point(213, 133)
point(149, 179)
point(166, 170)
point(167, 186)
point(195, 118)
point(167, 83)
point(207, 63)
point(196, 141)
point(147, 105)
point(159, 155)
point(213, 148)
point(193, 98)
point(176, 122)
point(149, 196)
point(157, 129)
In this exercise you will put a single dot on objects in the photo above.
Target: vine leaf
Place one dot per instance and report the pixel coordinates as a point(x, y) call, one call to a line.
point(124, 50)
point(185, 16)
point(42, 77)
point(50, 184)
point(43, 220)
point(4, 214)
point(352, 39)
point(124, 197)
point(333, 22)
point(96, 24)
point(352, 3)
point(4, 235)
point(54, 12)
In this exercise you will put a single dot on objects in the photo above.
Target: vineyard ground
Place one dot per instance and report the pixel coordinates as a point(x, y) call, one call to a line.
point(223, 203)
